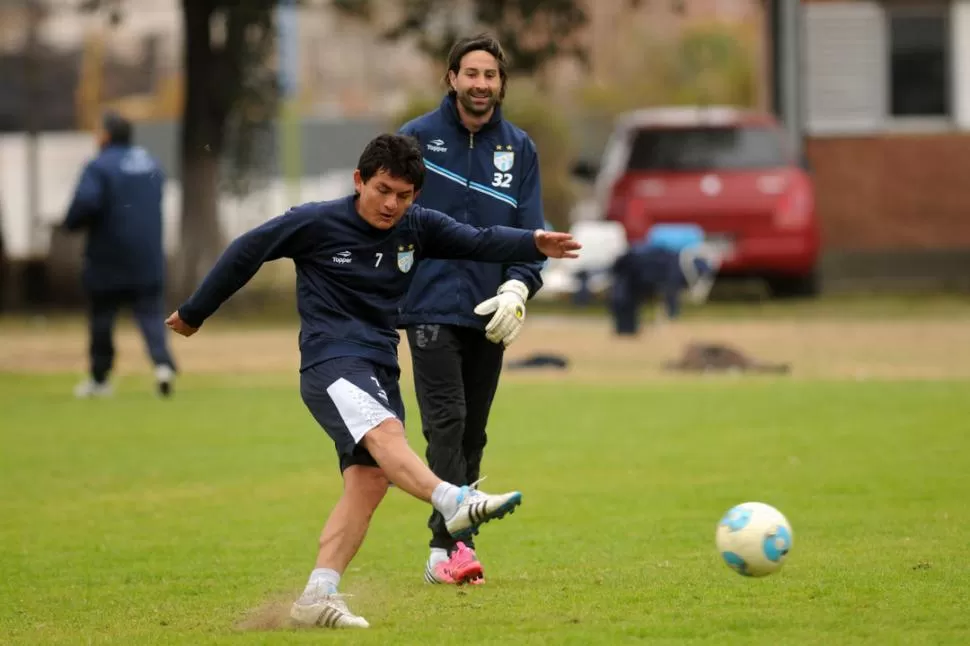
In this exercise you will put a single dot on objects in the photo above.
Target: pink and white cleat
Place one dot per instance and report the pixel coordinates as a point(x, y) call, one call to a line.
point(461, 567)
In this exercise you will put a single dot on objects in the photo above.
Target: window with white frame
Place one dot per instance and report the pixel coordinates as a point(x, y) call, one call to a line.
point(872, 66)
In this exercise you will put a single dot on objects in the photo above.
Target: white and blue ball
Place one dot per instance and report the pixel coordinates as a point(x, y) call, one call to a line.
point(754, 539)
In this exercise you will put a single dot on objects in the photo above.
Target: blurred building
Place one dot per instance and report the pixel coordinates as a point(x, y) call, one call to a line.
point(886, 116)
point(135, 63)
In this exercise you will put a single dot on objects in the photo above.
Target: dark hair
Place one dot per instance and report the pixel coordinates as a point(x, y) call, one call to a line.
point(397, 155)
point(483, 43)
point(118, 128)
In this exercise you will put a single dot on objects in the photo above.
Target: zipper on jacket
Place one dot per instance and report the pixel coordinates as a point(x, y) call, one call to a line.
point(468, 198)
point(468, 175)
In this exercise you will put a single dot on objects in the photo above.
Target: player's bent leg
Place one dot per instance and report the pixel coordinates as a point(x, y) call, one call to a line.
point(465, 509)
point(346, 527)
point(360, 408)
point(342, 536)
point(388, 444)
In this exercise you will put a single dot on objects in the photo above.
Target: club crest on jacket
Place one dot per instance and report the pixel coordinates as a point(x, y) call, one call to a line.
point(405, 258)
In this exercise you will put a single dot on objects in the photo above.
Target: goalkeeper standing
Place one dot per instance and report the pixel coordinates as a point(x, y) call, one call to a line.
point(461, 315)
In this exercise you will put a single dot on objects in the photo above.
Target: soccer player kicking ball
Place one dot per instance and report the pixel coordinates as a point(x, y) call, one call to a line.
point(354, 261)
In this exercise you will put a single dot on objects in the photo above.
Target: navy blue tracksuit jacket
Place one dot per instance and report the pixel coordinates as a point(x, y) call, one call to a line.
point(350, 277)
point(486, 178)
point(119, 202)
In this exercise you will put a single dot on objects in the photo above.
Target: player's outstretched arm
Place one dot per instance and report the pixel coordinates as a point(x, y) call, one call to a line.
point(443, 237)
point(507, 307)
point(284, 236)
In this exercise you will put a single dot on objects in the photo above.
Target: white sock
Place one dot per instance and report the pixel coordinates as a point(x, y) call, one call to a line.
point(444, 498)
point(164, 373)
point(322, 581)
point(438, 555)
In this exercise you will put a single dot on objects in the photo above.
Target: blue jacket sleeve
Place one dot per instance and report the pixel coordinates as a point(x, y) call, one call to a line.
point(441, 236)
point(285, 236)
point(88, 201)
point(530, 217)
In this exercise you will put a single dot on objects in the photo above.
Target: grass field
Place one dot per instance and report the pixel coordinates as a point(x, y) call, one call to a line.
point(194, 521)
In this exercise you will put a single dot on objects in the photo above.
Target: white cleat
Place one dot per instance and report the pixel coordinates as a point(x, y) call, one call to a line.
point(90, 388)
point(475, 508)
point(326, 611)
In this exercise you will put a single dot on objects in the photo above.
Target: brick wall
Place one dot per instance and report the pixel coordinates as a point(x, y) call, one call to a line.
point(891, 192)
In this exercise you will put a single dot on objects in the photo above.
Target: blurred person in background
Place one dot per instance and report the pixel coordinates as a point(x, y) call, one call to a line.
point(118, 203)
point(672, 259)
point(460, 315)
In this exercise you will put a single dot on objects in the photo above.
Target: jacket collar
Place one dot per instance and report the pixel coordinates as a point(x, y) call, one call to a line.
point(449, 107)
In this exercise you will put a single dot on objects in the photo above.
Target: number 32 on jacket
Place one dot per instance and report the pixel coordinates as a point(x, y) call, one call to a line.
point(503, 160)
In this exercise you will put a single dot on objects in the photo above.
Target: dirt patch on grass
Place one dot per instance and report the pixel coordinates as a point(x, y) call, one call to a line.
point(864, 349)
point(272, 615)
point(927, 349)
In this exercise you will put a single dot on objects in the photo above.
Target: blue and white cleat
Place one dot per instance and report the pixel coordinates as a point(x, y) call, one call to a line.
point(475, 508)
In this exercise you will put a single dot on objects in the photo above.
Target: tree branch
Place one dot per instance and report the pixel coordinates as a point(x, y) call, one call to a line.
point(533, 32)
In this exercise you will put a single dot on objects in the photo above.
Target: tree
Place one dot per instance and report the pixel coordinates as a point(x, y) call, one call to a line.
point(706, 63)
point(230, 93)
point(533, 32)
point(226, 84)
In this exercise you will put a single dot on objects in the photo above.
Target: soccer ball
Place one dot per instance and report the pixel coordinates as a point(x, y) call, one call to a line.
point(754, 539)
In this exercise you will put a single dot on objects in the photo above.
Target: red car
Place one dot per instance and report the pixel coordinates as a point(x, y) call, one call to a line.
point(728, 171)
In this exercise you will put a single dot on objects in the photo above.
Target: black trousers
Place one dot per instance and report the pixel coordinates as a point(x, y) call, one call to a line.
point(456, 372)
point(148, 308)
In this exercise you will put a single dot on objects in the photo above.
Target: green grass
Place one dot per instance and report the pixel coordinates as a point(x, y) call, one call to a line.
point(194, 521)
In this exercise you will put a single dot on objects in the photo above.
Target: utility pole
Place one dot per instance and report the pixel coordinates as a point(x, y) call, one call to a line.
point(29, 281)
point(290, 149)
point(785, 46)
point(32, 106)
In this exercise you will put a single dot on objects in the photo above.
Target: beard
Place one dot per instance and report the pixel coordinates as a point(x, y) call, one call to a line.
point(467, 100)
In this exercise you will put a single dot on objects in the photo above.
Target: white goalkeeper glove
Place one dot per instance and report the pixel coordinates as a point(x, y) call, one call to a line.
point(509, 308)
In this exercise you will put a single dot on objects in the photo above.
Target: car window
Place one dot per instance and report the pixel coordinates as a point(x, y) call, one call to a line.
point(691, 149)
